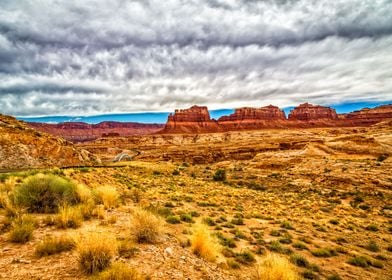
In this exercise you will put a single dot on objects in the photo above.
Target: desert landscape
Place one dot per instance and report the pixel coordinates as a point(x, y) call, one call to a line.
point(308, 202)
point(196, 140)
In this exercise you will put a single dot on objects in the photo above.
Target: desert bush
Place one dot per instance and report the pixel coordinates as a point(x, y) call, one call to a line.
point(107, 195)
point(372, 246)
point(220, 175)
point(233, 264)
point(273, 267)
point(209, 221)
point(324, 252)
point(286, 225)
point(300, 261)
point(69, 217)
point(22, 228)
point(44, 193)
point(187, 218)
point(96, 251)
point(203, 244)
point(299, 245)
point(52, 245)
point(372, 227)
point(359, 261)
point(226, 241)
point(245, 257)
point(145, 226)
point(120, 271)
point(173, 219)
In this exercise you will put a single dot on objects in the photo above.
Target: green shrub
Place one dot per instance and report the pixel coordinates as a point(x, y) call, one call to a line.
point(372, 246)
point(220, 175)
point(334, 277)
point(44, 193)
point(372, 227)
point(299, 261)
point(226, 241)
point(209, 221)
point(233, 264)
point(300, 246)
point(359, 261)
point(324, 252)
point(187, 218)
point(245, 257)
point(173, 219)
point(22, 229)
point(286, 225)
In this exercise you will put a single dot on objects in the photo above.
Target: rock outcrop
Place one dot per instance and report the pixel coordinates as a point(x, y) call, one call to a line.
point(193, 120)
point(310, 112)
point(80, 131)
point(253, 118)
point(24, 147)
point(197, 119)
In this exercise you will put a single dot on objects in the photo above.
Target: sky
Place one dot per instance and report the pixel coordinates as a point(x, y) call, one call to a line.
point(93, 58)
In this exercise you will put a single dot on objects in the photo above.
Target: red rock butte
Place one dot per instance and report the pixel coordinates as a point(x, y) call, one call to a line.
point(197, 118)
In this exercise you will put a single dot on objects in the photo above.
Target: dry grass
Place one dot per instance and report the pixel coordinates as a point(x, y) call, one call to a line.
point(54, 245)
point(203, 244)
point(120, 271)
point(96, 251)
point(69, 217)
point(22, 229)
point(107, 195)
point(274, 267)
point(84, 193)
point(145, 226)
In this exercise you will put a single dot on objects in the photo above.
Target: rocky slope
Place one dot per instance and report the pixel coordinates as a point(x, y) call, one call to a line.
point(80, 131)
point(197, 119)
point(24, 147)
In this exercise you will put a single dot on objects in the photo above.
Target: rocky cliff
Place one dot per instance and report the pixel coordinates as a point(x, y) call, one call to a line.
point(24, 147)
point(193, 120)
point(310, 112)
point(79, 131)
point(197, 119)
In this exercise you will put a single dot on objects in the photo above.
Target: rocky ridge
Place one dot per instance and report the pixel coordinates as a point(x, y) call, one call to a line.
point(24, 147)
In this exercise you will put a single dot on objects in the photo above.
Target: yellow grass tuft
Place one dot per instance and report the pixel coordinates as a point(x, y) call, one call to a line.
point(84, 193)
point(54, 245)
point(274, 267)
point(69, 217)
point(145, 226)
point(107, 195)
point(120, 271)
point(203, 244)
point(96, 251)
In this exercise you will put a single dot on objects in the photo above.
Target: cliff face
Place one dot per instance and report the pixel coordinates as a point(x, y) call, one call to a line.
point(197, 119)
point(24, 147)
point(309, 112)
point(193, 120)
point(79, 131)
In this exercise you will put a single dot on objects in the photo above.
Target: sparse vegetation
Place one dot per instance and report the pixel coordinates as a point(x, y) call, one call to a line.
point(220, 175)
point(69, 217)
point(120, 271)
point(273, 267)
point(107, 195)
point(22, 228)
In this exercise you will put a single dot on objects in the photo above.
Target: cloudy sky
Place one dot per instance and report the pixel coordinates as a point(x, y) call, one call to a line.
point(92, 57)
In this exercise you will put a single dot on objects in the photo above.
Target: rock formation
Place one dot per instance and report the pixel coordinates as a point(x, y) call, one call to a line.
point(309, 112)
point(253, 118)
point(80, 131)
point(193, 120)
point(24, 147)
point(197, 119)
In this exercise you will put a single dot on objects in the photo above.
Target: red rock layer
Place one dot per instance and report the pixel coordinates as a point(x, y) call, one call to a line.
point(79, 131)
point(193, 120)
point(197, 119)
point(308, 112)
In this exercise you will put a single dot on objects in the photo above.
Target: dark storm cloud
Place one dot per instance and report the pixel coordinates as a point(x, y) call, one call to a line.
point(78, 57)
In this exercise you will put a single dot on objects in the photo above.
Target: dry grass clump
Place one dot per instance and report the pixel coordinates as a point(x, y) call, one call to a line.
point(107, 195)
point(96, 251)
point(69, 217)
point(274, 267)
point(120, 271)
point(22, 228)
point(84, 193)
point(145, 226)
point(203, 244)
point(43, 193)
point(54, 245)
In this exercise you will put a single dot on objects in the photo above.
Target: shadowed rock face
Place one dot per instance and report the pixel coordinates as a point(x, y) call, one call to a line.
point(308, 112)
